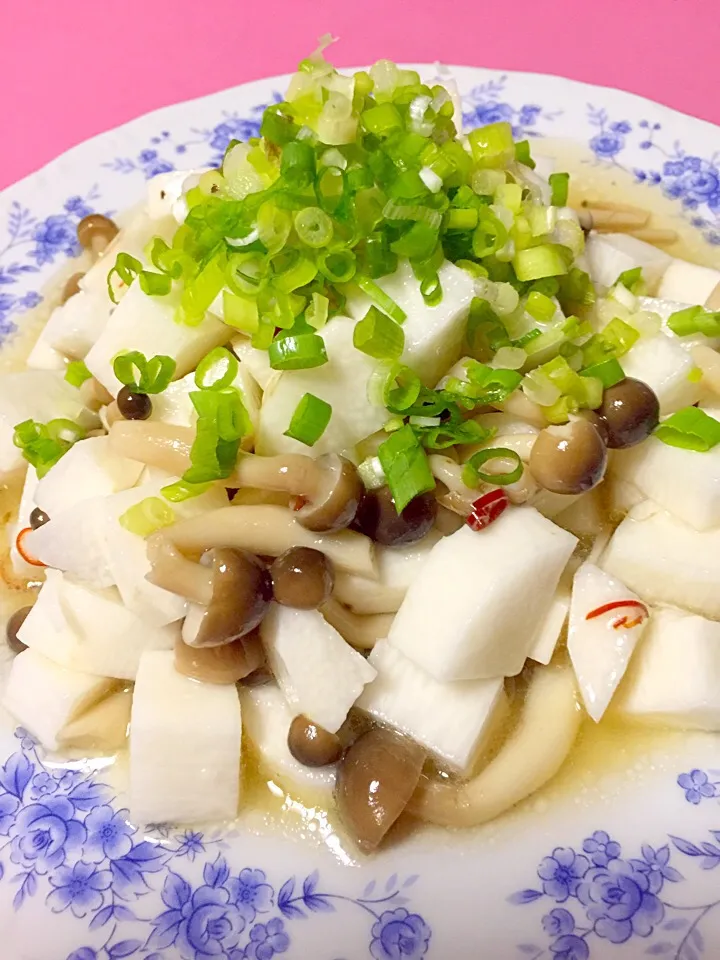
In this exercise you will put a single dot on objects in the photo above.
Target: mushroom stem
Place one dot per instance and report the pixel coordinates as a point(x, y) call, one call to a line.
point(269, 531)
point(612, 221)
point(713, 301)
point(532, 755)
point(293, 473)
point(656, 236)
point(157, 444)
point(94, 395)
point(369, 596)
point(361, 632)
point(174, 572)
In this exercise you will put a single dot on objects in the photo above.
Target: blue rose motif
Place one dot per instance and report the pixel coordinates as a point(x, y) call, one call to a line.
point(570, 948)
point(673, 168)
point(44, 833)
point(190, 845)
point(696, 785)
point(491, 112)
point(656, 864)
point(8, 808)
point(601, 848)
point(606, 144)
point(399, 935)
point(79, 887)
point(29, 300)
point(621, 126)
point(212, 924)
point(56, 234)
point(109, 834)
point(558, 922)
point(692, 164)
point(267, 939)
point(78, 207)
point(701, 185)
point(528, 114)
point(43, 785)
point(233, 128)
point(562, 872)
point(619, 902)
point(250, 893)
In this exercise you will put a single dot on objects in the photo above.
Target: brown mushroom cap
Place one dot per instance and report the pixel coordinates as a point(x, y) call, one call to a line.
point(302, 577)
point(311, 744)
point(377, 517)
point(72, 286)
point(569, 459)
point(241, 594)
point(225, 664)
point(95, 230)
point(13, 626)
point(631, 412)
point(334, 502)
point(376, 778)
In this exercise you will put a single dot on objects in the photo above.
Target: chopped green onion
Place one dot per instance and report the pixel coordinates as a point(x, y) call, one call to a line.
point(522, 154)
point(298, 352)
point(154, 284)
point(317, 312)
point(240, 312)
point(465, 219)
point(692, 320)
point(126, 268)
point(297, 274)
point(311, 417)
point(561, 410)
point(77, 373)
point(490, 145)
point(146, 517)
point(690, 429)
point(620, 335)
point(381, 299)
point(180, 490)
point(43, 444)
point(141, 375)
point(535, 263)
point(540, 307)
point(489, 236)
point(575, 288)
point(314, 227)
point(405, 465)
point(450, 434)
point(297, 164)
point(216, 370)
point(472, 475)
point(378, 336)
point(559, 183)
point(371, 473)
point(609, 372)
point(382, 120)
point(416, 243)
point(337, 266)
point(631, 279)
point(402, 389)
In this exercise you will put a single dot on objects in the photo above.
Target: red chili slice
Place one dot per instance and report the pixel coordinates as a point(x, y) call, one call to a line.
point(617, 605)
point(487, 509)
point(26, 557)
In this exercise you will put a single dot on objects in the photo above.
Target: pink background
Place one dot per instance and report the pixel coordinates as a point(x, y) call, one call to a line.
point(72, 68)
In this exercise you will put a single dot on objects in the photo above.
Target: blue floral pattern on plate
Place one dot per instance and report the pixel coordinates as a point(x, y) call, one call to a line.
point(63, 838)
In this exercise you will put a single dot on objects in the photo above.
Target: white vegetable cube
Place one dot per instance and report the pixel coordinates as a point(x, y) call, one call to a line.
point(665, 309)
point(90, 630)
point(663, 364)
point(266, 720)
point(74, 541)
point(31, 395)
point(433, 335)
point(27, 505)
point(90, 468)
point(474, 608)
point(600, 646)
point(665, 561)
point(610, 254)
point(548, 635)
point(43, 697)
point(343, 382)
point(319, 673)
point(148, 324)
point(185, 741)
point(688, 282)
point(165, 190)
point(74, 326)
point(452, 719)
point(685, 482)
point(674, 679)
point(44, 357)
point(256, 362)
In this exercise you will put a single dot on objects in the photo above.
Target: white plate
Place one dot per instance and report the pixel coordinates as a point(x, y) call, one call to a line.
point(618, 860)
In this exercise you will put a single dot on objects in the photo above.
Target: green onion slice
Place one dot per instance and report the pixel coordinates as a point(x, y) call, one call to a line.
point(146, 517)
point(559, 183)
point(297, 352)
point(378, 336)
point(133, 370)
point(77, 373)
point(126, 268)
point(310, 419)
point(381, 299)
point(405, 465)
point(472, 475)
point(180, 490)
point(609, 372)
point(690, 429)
point(216, 370)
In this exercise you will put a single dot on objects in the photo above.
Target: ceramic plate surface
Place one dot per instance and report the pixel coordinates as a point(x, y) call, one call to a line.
point(617, 860)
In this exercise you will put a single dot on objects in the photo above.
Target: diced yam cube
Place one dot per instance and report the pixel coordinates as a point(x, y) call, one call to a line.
point(666, 367)
point(44, 357)
point(686, 483)
point(665, 309)
point(185, 739)
point(103, 727)
point(688, 282)
point(665, 561)
point(433, 335)
point(165, 190)
point(74, 541)
point(600, 646)
point(472, 611)
point(452, 719)
point(90, 468)
point(343, 382)
point(90, 631)
point(145, 323)
point(132, 239)
point(674, 679)
point(320, 675)
point(43, 697)
point(74, 326)
point(546, 639)
point(27, 505)
point(266, 718)
point(31, 395)
point(610, 254)
point(257, 362)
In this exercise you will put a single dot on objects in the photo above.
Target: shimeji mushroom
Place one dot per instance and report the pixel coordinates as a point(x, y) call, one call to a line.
point(360, 631)
point(224, 664)
point(156, 444)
